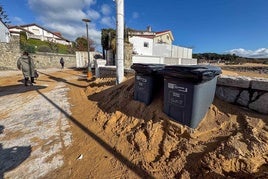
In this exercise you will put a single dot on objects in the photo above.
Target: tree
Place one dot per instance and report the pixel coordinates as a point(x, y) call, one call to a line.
point(108, 40)
point(81, 44)
point(3, 16)
point(24, 45)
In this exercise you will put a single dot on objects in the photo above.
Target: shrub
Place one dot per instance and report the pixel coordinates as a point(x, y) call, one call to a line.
point(27, 47)
point(44, 48)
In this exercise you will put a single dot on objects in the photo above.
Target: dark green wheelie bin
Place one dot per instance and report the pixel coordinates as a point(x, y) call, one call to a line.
point(148, 81)
point(189, 91)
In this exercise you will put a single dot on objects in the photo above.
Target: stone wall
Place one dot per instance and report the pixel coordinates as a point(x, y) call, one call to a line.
point(128, 51)
point(107, 71)
point(52, 60)
point(244, 91)
point(110, 72)
point(9, 53)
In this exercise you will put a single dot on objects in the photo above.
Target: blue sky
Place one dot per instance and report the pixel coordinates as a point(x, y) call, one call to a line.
point(220, 26)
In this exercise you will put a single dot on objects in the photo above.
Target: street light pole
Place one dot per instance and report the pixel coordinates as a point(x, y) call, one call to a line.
point(119, 41)
point(89, 73)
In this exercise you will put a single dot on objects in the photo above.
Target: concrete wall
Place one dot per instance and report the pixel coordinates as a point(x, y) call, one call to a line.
point(244, 91)
point(163, 60)
point(173, 51)
point(180, 61)
point(147, 59)
point(98, 63)
point(82, 58)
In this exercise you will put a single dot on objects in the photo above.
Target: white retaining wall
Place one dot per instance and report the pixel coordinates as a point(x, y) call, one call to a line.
point(171, 51)
point(163, 60)
point(99, 63)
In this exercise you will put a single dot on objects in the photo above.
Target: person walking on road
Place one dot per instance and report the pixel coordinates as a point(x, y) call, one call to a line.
point(62, 63)
point(26, 64)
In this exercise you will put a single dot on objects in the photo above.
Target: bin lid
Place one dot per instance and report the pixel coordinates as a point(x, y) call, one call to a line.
point(198, 73)
point(147, 68)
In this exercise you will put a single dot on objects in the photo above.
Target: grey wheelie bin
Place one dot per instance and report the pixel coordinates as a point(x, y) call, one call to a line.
point(189, 91)
point(148, 81)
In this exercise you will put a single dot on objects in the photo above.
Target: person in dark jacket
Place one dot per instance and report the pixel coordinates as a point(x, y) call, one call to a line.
point(62, 63)
point(26, 64)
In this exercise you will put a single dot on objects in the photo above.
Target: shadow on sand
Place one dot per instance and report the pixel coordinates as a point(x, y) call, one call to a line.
point(138, 170)
point(15, 89)
point(11, 158)
point(64, 80)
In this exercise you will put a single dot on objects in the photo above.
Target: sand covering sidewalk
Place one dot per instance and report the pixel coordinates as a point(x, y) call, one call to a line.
point(114, 136)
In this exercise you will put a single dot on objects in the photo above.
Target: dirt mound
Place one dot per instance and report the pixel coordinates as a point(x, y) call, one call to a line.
point(229, 141)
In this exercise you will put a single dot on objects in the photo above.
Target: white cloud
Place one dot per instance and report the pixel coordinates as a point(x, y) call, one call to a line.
point(108, 21)
point(135, 15)
point(259, 53)
point(105, 9)
point(68, 15)
point(60, 5)
point(65, 16)
point(93, 15)
point(18, 20)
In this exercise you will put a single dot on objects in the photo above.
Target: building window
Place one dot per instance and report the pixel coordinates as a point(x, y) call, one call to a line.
point(167, 37)
point(36, 31)
point(146, 44)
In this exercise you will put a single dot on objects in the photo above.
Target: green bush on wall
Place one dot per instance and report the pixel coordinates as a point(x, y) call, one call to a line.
point(36, 45)
point(28, 48)
point(44, 48)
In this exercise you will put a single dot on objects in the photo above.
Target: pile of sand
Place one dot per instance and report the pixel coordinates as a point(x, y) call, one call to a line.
point(229, 141)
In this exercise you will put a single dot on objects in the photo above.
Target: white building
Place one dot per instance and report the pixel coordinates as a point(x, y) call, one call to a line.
point(157, 44)
point(156, 47)
point(142, 45)
point(150, 43)
point(4, 32)
point(34, 31)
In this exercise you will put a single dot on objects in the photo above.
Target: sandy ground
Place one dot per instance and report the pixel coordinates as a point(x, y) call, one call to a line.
point(68, 127)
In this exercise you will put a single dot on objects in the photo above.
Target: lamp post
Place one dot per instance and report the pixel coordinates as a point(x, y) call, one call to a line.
point(89, 73)
point(119, 41)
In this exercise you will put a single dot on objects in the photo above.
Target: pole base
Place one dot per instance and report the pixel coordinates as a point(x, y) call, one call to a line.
point(89, 74)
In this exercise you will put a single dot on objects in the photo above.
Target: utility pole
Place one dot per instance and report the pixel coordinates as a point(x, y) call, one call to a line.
point(89, 72)
point(119, 41)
